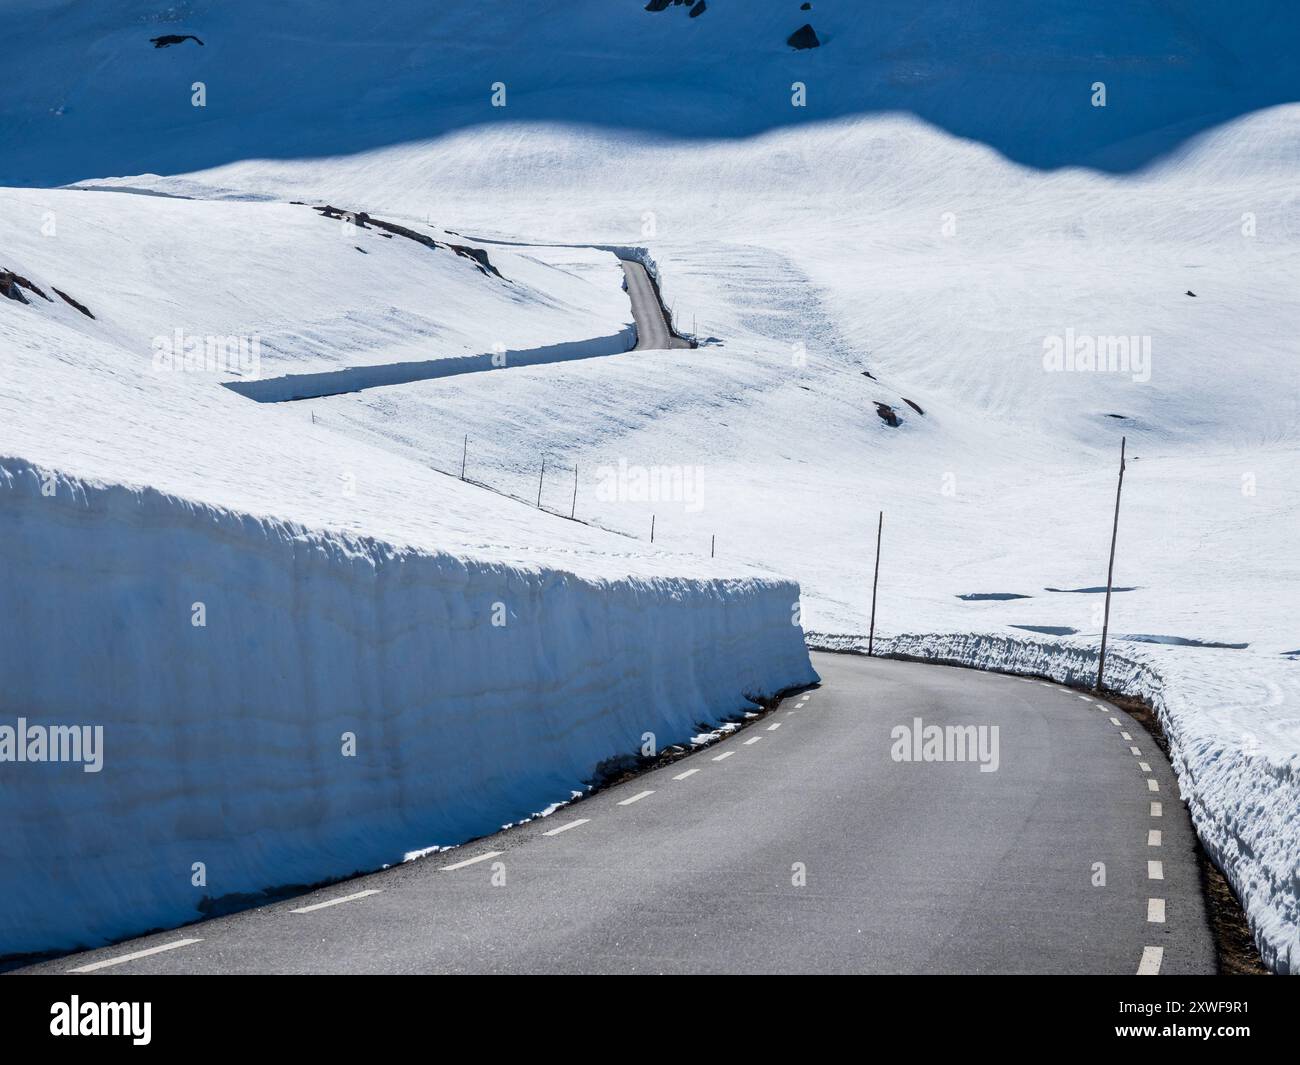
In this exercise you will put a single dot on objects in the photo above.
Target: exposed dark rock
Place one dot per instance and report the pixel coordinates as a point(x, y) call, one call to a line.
point(868, 373)
point(998, 597)
point(11, 285)
point(804, 37)
point(658, 5)
point(167, 40)
point(365, 221)
point(72, 303)
point(699, 9)
point(805, 7)
point(888, 415)
point(10, 290)
point(913, 405)
point(1190, 292)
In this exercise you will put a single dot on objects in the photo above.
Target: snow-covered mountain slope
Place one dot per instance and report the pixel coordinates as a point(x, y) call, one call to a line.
point(806, 247)
point(229, 589)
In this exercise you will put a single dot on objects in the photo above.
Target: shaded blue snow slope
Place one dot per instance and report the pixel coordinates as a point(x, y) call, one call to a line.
point(87, 95)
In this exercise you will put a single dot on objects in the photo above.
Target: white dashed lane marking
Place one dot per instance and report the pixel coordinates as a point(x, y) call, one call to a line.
point(1155, 870)
point(688, 773)
point(565, 828)
point(1134, 751)
point(1144, 767)
point(1156, 911)
point(636, 798)
point(1152, 784)
point(470, 861)
point(1151, 959)
point(1125, 735)
point(773, 728)
point(1153, 837)
point(724, 754)
point(755, 739)
point(1157, 810)
point(1114, 721)
point(335, 902)
point(97, 965)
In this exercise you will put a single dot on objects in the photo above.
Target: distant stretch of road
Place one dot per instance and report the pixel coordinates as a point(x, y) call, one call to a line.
point(652, 332)
point(801, 843)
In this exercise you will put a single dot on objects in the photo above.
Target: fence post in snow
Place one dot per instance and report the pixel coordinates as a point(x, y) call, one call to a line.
point(464, 454)
point(541, 477)
point(574, 509)
point(871, 634)
point(713, 543)
point(1110, 570)
point(652, 528)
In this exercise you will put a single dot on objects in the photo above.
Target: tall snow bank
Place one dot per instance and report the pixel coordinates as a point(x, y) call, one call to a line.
point(1241, 786)
point(225, 743)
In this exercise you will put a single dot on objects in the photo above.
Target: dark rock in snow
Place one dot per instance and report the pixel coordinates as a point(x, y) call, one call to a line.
point(1190, 292)
point(71, 302)
point(365, 221)
point(167, 40)
point(804, 37)
point(10, 290)
point(699, 9)
point(805, 7)
point(11, 286)
point(658, 5)
point(913, 405)
point(888, 415)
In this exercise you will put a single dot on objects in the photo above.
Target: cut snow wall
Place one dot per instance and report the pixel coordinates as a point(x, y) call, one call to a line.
point(223, 743)
point(1244, 804)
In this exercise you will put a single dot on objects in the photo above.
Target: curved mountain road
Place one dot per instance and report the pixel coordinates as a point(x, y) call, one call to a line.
point(796, 844)
point(652, 331)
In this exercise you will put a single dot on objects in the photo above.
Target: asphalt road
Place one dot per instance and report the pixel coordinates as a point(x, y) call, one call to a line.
point(652, 332)
point(796, 844)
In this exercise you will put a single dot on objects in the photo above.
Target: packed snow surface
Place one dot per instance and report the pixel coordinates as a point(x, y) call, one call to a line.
point(949, 212)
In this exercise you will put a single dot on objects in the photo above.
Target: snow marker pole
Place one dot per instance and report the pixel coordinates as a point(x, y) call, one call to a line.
point(463, 456)
point(541, 477)
point(871, 635)
point(652, 528)
point(1110, 571)
point(574, 509)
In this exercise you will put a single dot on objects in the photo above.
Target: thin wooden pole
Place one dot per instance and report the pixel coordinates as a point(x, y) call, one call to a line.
point(1110, 570)
point(574, 509)
point(463, 456)
point(540, 478)
point(871, 635)
point(652, 528)
point(713, 543)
